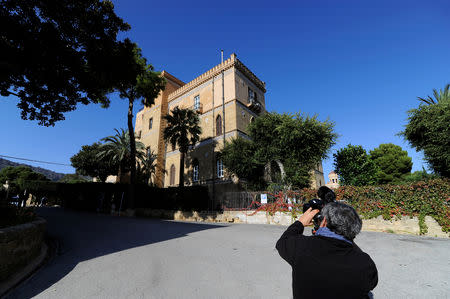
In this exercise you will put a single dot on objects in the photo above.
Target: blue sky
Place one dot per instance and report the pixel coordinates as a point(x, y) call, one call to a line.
point(360, 64)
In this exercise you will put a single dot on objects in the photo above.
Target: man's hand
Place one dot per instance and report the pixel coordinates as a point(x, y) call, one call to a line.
point(307, 217)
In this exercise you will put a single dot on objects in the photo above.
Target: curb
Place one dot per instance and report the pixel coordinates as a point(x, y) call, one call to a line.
point(48, 249)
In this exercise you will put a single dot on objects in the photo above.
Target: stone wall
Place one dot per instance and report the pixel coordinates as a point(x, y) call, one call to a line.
point(19, 245)
point(405, 225)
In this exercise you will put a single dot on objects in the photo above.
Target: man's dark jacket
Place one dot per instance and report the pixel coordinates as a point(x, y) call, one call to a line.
point(325, 267)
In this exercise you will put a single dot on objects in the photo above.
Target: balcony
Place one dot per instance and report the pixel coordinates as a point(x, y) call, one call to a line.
point(254, 105)
point(198, 108)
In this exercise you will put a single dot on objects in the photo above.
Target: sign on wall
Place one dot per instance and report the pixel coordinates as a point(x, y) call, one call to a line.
point(263, 198)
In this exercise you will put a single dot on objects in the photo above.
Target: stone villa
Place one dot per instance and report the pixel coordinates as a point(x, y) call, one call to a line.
point(227, 97)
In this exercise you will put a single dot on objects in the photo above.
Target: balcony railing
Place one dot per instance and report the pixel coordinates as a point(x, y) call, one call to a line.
point(254, 105)
point(197, 107)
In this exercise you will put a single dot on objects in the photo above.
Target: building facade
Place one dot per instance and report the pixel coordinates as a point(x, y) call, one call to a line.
point(227, 97)
point(333, 180)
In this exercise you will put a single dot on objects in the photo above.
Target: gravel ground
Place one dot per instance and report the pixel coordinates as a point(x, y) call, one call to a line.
point(117, 257)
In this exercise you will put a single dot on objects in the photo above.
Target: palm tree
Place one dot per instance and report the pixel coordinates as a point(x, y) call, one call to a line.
point(439, 96)
point(118, 149)
point(146, 169)
point(182, 129)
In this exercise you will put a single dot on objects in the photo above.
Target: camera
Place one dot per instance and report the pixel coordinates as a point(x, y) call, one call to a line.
point(326, 195)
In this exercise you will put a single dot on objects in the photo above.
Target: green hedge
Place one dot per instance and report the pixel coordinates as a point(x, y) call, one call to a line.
point(86, 196)
point(427, 198)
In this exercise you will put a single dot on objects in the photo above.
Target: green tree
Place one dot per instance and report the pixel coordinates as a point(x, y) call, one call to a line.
point(146, 168)
point(57, 54)
point(354, 166)
point(428, 130)
point(292, 142)
point(118, 149)
point(238, 156)
point(393, 163)
point(439, 96)
point(183, 130)
point(72, 178)
point(143, 84)
point(88, 162)
point(17, 176)
point(420, 175)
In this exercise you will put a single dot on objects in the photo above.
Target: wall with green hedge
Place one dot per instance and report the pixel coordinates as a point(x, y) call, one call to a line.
point(428, 198)
point(101, 196)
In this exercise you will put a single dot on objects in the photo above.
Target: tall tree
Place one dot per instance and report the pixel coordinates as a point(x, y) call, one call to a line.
point(183, 130)
point(293, 142)
point(142, 83)
point(393, 163)
point(87, 162)
point(428, 130)
point(57, 54)
point(118, 149)
point(354, 166)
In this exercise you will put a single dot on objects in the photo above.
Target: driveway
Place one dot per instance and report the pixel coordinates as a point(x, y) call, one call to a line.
point(117, 257)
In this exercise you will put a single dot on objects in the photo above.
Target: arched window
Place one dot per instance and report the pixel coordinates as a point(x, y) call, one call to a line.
point(195, 165)
point(218, 125)
point(172, 175)
point(252, 119)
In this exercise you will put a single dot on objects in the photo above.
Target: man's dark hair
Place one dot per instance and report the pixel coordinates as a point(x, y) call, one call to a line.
point(342, 219)
point(326, 194)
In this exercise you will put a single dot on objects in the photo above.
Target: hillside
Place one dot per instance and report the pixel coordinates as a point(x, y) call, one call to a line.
point(51, 175)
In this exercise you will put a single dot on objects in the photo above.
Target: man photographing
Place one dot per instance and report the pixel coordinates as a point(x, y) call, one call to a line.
point(328, 264)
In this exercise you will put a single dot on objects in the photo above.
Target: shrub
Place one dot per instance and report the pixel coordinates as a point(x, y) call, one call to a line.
point(11, 215)
point(92, 196)
point(426, 198)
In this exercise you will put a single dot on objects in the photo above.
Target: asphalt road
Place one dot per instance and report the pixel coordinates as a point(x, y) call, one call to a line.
point(116, 257)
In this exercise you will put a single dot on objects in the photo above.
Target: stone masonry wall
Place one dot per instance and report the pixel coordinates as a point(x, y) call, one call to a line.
point(19, 245)
point(406, 225)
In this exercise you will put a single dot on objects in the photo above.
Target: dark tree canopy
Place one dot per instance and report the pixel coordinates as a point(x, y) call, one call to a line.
point(89, 163)
point(354, 166)
point(17, 176)
point(72, 178)
point(56, 54)
point(428, 130)
point(297, 142)
point(393, 163)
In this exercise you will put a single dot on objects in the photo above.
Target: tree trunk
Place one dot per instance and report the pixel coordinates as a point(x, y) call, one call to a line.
point(132, 150)
point(182, 169)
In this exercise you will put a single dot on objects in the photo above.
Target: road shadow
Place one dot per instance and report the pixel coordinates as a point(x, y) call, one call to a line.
point(83, 236)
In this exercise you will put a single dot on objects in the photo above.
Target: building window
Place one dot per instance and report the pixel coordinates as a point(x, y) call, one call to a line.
point(173, 147)
point(219, 168)
point(150, 123)
point(251, 95)
point(138, 135)
point(196, 102)
point(172, 175)
point(252, 119)
point(218, 125)
point(320, 182)
point(142, 116)
point(195, 171)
